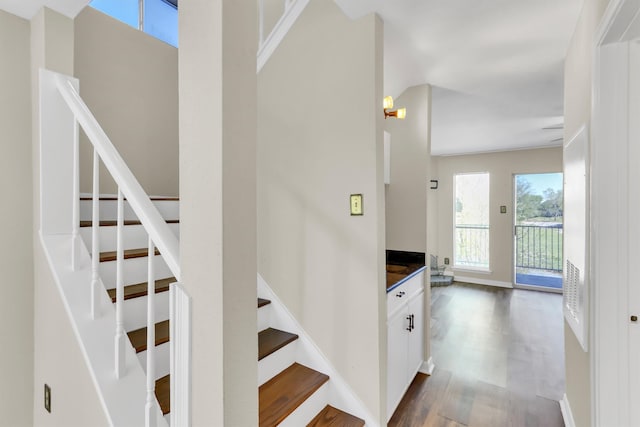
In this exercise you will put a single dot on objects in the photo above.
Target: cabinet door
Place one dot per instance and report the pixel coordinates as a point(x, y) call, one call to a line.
point(396, 359)
point(416, 336)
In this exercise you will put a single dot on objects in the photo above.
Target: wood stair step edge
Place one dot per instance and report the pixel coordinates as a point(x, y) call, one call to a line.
point(282, 394)
point(138, 337)
point(333, 417)
point(113, 223)
point(140, 289)
point(152, 198)
point(163, 393)
point(128, 254)
point(271, 340)
point(262, 302)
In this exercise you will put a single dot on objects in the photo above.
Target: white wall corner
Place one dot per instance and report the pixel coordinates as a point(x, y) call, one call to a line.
point(567, 415)
point(428, 367)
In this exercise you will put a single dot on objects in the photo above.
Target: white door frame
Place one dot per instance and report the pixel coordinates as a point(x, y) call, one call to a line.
point(610, 263)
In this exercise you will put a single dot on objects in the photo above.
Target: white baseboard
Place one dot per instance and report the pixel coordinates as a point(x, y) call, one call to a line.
point(567, 415)
point(428, 367)
point(487, 282)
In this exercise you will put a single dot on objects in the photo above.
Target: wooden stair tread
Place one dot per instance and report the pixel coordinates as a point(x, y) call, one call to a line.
point(262, 302)
point(113, 223)
point(140, 289)
point(163, 393)
point(332, 417)
point(138, 337)
point(128, 254)
point(271, 340)
point(282, 394)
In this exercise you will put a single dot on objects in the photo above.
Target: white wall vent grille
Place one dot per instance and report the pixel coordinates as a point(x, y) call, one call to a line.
point(571, 283)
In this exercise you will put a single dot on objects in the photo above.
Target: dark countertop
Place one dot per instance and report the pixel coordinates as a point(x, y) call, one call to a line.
point(397, 274)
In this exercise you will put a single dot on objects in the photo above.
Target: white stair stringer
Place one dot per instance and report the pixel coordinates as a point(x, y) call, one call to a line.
point(123, 400)
point(338, 393)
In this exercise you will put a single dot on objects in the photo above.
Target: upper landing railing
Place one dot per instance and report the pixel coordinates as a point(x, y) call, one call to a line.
point(269, 42)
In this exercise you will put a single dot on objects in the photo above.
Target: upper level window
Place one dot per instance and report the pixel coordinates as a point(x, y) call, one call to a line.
point(471, 219)
point(159, 17)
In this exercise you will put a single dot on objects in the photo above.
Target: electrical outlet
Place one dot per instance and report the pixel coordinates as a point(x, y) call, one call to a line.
point(47, 398)
point(446, 261)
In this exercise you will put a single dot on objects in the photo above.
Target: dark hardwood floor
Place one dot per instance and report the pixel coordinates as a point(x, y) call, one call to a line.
point(499, 360)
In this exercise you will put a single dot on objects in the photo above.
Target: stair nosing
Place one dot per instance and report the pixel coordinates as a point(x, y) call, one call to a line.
point(263, 302)
point(351, 418)
point(127, 222)
point(109, 256)
point(160, 288)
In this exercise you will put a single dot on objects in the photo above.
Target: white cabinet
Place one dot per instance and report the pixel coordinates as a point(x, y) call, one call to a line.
point(405, 338)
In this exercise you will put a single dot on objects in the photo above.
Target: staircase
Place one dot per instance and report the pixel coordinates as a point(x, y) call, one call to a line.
point(135, 275)
point(294, 389)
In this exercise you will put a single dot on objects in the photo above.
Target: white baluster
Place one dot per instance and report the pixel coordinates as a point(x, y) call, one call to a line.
point(151, 339)
point(261, 22)
point(95, 234)
point(75, 216)
point(120, 335)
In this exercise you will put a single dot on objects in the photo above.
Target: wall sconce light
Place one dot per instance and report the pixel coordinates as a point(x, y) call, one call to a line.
point(387, 104)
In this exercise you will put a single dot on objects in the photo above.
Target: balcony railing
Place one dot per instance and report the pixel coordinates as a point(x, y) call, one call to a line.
point(472, 246)
point(539, 247)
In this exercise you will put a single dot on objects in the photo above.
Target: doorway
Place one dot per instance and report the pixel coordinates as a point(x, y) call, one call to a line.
point(538, 227)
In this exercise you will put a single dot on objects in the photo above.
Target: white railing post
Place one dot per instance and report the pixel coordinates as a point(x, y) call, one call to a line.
point(120, 335)
point(75, 216)
point(95, 234)
point(261, 21)
point(151, 339)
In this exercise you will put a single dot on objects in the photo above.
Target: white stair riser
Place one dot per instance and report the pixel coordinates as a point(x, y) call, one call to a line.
point(135, 271)
point(134, 236)
point(309, 408)
point(162, 355)
point(169, 209)
point(276, 362)
point(135, 311)
point(264, 317)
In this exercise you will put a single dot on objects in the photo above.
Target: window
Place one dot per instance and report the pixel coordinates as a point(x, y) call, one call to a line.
point(160, 17)
point(471, 219)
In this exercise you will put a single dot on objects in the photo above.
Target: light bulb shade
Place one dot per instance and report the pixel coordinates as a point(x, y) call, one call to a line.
point(387, 102)
point(401, 113)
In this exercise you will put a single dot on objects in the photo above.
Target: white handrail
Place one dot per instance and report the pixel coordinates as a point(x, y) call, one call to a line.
point(147, 213)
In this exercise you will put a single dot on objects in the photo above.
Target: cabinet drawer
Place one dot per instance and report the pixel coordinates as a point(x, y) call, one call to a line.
point(400, 295)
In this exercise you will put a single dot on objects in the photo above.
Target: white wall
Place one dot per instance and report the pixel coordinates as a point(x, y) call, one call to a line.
point(58, 361)
point(16, 259)
point(218, 44)
point(320, 140)
point(129, 80)
point(577, 111)
point(501, 167)
point(406, 196)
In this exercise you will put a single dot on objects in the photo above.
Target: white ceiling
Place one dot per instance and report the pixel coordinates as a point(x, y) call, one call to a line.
point(496, 66)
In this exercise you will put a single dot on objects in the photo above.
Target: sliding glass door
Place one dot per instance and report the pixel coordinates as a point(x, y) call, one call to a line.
point(538, 230)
